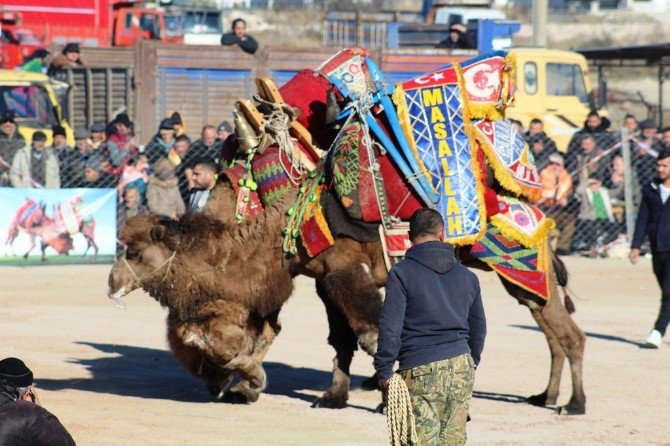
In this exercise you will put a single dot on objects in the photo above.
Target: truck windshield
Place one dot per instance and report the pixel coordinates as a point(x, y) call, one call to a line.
point(31, 103)
point(565, 79)
point(203, 22)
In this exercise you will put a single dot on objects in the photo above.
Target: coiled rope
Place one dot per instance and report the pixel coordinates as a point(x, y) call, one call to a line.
point(398, 412)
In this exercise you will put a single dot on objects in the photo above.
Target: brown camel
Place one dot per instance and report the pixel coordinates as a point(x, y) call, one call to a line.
point(223, 284)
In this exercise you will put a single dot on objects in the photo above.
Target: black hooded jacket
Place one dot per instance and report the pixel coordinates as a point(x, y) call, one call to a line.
point(26, 424)
point(433, 311)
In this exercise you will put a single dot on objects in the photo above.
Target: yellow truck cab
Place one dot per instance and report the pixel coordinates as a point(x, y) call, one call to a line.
point(554, 86)
point(33, 99)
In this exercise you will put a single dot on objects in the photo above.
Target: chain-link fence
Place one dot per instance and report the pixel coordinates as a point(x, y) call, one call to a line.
point(593, 190)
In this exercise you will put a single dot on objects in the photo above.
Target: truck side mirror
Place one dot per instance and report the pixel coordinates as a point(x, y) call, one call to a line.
point(602, 92)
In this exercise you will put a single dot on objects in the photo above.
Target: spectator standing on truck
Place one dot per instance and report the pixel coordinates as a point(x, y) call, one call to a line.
point(70, 57)
point(160, 145)
point(240, 37)
point(458, 39)
point(10, 143)
point(35, 62)
point(35, 165)
point(121, 145)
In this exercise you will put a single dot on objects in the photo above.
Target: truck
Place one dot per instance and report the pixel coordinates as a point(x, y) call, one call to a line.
point(93, 23)
point(16, 41)
point(552, 85)
point(35, 100)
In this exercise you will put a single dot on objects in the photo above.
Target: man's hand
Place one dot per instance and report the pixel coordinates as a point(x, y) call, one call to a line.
point(384, 384)
point(31, 396)
point(634, 255)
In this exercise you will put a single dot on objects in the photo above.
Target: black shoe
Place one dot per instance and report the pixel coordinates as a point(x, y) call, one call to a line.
point(562, 252)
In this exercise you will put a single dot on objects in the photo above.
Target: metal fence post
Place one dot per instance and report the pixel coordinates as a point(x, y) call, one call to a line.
point(628, 184)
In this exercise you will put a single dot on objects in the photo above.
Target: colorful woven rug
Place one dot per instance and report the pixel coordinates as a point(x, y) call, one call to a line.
point(252, 206)
point(270, 175)
point(521, 221)
point(314, 231)
point(527, 267)
point(509, 156)
point(432, 112)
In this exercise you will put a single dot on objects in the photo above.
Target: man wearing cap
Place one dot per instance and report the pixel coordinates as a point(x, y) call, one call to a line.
point(121, 144)
point(35, 165)
point(10, 142)
point(74, 162)
point(69, 58)
point(60, 146)
point(97, 131)
point(160, 145)
point(95, 176)
point(23, 420)
point(224, 130)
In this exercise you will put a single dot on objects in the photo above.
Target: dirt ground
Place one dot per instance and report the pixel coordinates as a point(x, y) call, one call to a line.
point(108, 376)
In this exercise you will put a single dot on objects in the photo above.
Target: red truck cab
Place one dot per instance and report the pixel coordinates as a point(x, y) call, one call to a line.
point(16, 41)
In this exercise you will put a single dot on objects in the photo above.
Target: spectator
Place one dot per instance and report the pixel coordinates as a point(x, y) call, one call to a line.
point(615, 184)
point(178, 125)
point(458, 38)
point(161, 144)
point(542, 148)
point(35, 62)
point(518, 125)
point(69, 58)
point(653, 221)
point(224, 130)
point(208, 146)
point(664, 142)
point(135, 175)
point(10, 143)
point(643, 159)
point(60, 147)
point(163, 196)
point(596, 126)
point(95, 177)
point(176, 157)
point(589, 159)
point(75, 160)
point(204, 178)
point(595, 225)
point(23, 420)
point(556, 196)
point(131, 206)
point(121, 145)
point(35, 165)
point(433, 323)
point(536, 131)
point(239, 37)
point(630, 124)
point(97, 131)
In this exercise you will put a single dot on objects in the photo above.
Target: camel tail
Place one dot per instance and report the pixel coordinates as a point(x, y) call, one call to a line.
point(561, 274)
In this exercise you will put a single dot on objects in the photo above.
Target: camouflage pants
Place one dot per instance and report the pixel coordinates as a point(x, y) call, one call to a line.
point(440, 393)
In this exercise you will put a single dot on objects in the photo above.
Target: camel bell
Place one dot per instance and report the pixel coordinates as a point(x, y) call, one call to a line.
point(246, 136)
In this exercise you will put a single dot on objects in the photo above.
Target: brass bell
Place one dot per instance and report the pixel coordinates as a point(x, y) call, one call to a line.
point(246, 136)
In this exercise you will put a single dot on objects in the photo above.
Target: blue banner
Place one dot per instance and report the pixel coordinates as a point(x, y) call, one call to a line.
point(57, 225)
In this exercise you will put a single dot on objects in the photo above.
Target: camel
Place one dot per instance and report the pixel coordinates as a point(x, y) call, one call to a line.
point(223, 285)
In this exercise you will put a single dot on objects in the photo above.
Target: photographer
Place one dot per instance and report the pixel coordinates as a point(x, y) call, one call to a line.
point(22, 419)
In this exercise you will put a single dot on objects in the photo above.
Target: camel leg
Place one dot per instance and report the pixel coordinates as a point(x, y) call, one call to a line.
point(355, 294)
point(572, 339)
point(550, 395)
point(32, 245)
point(344, 340)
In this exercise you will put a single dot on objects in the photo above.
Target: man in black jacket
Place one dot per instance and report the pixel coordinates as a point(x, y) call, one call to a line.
point(653, 220)
point(23, 422)
point(433, 324)
point(240, 37)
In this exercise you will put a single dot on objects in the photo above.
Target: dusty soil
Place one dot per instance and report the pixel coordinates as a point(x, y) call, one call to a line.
point(108, 376)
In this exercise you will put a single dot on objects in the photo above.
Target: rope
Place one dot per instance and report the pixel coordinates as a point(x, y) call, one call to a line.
point(398, 412)
point(139, 279)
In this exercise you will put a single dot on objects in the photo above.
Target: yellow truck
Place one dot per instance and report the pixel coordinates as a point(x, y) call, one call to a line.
point(33, 98)
point(553, 86)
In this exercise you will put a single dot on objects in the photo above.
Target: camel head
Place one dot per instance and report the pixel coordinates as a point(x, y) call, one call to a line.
point(147, 258)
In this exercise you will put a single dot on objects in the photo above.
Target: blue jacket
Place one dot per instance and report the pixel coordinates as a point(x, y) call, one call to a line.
point(653, 220)
point(432, 311)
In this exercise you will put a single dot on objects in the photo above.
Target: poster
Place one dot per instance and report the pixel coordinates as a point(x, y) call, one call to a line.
point(57, 226)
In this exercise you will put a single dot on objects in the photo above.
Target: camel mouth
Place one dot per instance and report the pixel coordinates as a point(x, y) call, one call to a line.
point(117, 294)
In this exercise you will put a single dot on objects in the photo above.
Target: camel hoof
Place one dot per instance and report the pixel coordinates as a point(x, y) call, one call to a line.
point(572, 408)
point(328, 401)
point(541, 400)
point(381, 409)
point(371, 383)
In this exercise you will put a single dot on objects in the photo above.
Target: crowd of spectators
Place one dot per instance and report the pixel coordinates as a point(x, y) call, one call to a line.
point(159, 176)
point(583, 187)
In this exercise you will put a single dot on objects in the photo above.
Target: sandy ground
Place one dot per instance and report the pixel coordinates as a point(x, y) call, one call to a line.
point(108, 376)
